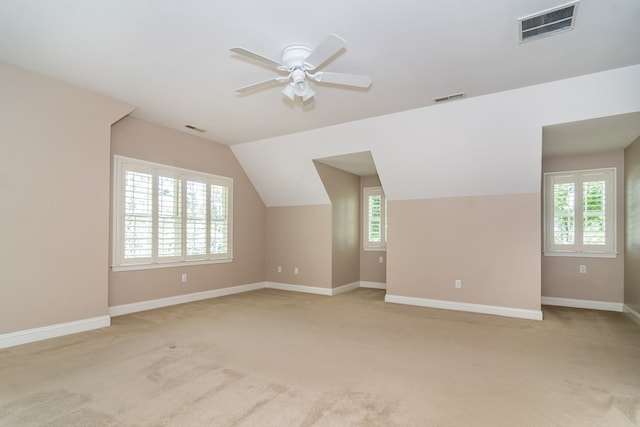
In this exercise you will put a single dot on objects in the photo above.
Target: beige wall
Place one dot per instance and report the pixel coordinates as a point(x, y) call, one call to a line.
point(491, 243)
point(54, 200)
point(137, 138)
point(371, 269)
point(604, 279)
point(632, 217)
point(299, 236)
point(343, 189)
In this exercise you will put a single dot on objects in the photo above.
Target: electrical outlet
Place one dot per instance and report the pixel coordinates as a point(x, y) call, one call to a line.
point(458, 284)
point(296, 270)
point(583, 269)
point(279, 269)
point(184, 277)
point(380, 259)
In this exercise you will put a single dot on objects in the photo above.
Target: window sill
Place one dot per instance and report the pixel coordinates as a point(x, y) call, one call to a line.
point(582, 254)
point(131, 267)
point(375, 249)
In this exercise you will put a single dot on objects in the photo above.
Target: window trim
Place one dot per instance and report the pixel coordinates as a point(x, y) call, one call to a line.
point(120, 165)
point(366, 244)
point(608, 250)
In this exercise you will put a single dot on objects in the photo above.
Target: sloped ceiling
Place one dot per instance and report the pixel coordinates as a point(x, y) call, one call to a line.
point(591, 136)
point(486, 145)
point(361, 164)
point(171, 59)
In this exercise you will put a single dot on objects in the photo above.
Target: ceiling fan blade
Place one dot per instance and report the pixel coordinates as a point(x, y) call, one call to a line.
point(257, 57)
point(342, 79)
point(262, 84)
point(326, 50)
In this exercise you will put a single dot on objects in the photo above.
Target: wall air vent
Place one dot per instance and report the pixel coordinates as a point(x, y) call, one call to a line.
point(548, 22)
point(449, 97)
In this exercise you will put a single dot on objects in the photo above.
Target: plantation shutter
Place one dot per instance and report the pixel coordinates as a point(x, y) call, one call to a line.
point(374, 230)
point(138, 215)
point(166, 215)
point(219, 227)
point(597, 233)
point(196, 218)
point(169, 217)
point(564, 212)
point(580, 212)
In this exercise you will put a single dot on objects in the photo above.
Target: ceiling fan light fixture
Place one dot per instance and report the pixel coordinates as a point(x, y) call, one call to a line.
point(299, 60)
point(300, 88)
point(298, 79)
point(309, 94)
point(289, 91)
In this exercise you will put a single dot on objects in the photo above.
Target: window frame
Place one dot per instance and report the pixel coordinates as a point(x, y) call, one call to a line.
point(121, 165)
point(368, 245)
point(578, 178)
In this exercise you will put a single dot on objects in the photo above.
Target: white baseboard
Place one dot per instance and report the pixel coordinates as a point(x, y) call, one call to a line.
point(345, 288)
point(314, 289)
point(120, 310)
point(630, 310)
point(135, 307)
point(299, 288)
point(52, 331)
point(581, 303)
point(461, 306)
point(373, 285)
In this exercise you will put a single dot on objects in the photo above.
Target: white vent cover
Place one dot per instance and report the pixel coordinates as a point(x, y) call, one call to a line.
point(449, 97)
point(548, 22)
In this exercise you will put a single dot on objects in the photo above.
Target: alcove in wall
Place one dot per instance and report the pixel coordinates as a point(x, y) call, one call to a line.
point(345, 177)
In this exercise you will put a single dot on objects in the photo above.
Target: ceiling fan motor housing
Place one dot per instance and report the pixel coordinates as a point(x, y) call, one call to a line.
point(294, 56)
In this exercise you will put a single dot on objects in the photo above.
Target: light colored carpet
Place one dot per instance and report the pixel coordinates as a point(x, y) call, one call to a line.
point(275, 358)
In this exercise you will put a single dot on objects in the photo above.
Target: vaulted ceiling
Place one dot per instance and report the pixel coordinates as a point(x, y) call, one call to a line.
point(171, 59)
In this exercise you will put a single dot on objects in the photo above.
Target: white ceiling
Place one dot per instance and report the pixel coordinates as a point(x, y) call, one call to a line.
point(171, 59)
point(590, 136)
point(360, 163)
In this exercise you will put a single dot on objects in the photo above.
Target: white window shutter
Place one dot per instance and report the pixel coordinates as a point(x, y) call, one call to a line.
point(165, 215)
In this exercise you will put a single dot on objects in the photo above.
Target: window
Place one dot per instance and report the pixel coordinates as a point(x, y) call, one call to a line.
point(580, 213)
point(166, 216)
point(375, 219)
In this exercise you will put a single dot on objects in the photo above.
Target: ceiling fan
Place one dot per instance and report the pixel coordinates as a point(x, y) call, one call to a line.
point(299, 63)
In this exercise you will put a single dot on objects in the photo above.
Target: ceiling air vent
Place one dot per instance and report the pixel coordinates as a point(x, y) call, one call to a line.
point(449, 97)
point(548, 22)
point(194, 128)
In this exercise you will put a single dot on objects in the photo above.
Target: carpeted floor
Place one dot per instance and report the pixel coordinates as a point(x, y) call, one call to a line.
point(274, 358)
